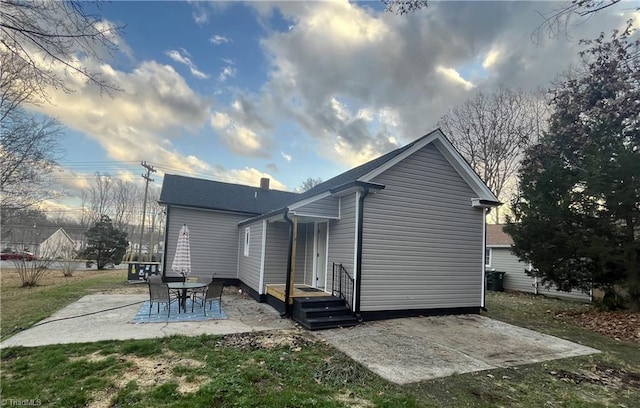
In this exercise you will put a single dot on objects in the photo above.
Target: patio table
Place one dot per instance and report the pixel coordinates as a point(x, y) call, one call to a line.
point(185, 287)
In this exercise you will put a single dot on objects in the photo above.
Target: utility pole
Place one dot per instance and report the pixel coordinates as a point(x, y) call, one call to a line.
point(148, 180)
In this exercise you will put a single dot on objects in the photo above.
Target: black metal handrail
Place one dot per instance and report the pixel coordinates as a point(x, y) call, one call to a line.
point(343, 286)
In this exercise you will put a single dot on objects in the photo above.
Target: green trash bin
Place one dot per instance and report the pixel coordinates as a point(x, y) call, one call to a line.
point(495, 281)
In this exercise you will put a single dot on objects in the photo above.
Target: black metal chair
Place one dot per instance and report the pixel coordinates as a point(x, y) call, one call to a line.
point(159, 293)
point(213, 293)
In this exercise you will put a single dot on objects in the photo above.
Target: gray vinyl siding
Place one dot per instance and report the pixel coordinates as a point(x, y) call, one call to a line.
point(275, 264)
point(515, 278)
point(249, 271)
point(342, 237)
point(213, 240)
point(502, 259)
point(325, 207)
point(422, 239)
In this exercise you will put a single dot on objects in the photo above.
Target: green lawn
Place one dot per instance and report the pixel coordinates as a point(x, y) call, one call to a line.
point(293, 369)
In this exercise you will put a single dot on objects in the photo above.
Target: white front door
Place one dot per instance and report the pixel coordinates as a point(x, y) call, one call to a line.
point(321, 256)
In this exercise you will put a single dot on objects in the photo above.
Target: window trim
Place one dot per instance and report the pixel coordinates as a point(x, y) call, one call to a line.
point(488, 251)
point(247, 240)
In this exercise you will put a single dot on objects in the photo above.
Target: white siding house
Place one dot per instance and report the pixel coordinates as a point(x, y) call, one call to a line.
point(406, 229)
point(500, 258)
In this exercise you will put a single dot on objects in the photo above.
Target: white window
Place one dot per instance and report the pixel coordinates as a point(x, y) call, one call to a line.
point(487, 256)
point(247, 240)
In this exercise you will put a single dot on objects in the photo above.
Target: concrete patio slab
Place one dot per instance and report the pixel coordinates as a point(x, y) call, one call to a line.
point(422, 348)
point(98, 323)
point(399, 350)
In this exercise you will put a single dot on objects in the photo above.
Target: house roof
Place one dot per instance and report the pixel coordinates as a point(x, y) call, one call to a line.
point(497, 237)
point(59, 232)
point(367, 171)
point(232, 197)
point(216, 195)
point(354, 174)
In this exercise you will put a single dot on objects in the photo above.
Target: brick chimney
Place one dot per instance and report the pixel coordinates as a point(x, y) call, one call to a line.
point(264, 183)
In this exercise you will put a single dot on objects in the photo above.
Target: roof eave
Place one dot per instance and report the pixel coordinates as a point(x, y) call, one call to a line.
point(483, 203)
point(356, 185)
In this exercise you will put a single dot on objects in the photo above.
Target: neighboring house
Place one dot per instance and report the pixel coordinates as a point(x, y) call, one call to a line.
point(407, 228)
point(58, 245)
point(499, 257)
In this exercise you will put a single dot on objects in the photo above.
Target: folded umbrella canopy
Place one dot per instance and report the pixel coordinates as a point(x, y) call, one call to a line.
point(182, 258)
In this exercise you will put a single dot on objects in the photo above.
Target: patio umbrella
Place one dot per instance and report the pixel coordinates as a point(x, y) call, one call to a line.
point(182, 258)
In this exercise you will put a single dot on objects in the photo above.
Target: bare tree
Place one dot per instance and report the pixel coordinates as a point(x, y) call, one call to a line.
point(124, 210)
point(555, 22)
point(17, 83)
point(309, 183)
point(100, 195)
point(492, 131)
point(402, 7)
point(43, 41)
point(28, 154)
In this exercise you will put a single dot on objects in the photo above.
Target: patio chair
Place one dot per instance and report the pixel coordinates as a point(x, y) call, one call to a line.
point(159, 293)
point(213, 293)
point(196, 291)
point(154, 279)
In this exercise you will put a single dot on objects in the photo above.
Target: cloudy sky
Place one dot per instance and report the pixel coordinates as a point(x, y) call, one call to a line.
point(291, 90)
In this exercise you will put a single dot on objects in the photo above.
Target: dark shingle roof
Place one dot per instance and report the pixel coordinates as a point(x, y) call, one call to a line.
point(191, 192)
point(215, 195)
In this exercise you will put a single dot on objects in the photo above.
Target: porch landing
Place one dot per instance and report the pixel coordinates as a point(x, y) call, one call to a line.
point(277, 291)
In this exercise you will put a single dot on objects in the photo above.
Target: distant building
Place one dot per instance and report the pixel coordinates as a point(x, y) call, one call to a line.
point(498, 256)
point(58, 245)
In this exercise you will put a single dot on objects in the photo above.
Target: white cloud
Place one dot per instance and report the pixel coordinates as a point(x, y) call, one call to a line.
point(454, 76)
point(184, 59)
point(154, 107)
point(359, 81)
point(236, 136)
point(491, 59)
point(226, 73)
point(200, 14)
point(111, 32)
point(285, 156)
point(200, 17)
point(220, 120)
point(247, 176)
point(219, 39)
point(354, 157)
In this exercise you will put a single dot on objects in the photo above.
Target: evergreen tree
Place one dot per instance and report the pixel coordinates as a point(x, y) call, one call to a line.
point(105, 243)
point(577, 217)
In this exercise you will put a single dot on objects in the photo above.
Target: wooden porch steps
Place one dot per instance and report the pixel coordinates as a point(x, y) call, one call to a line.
point(326, 312)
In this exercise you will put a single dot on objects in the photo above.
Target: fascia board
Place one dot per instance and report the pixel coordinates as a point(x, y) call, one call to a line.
point(386, 166)
point(309, 200)
point(452, 156)
point(320, 217)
